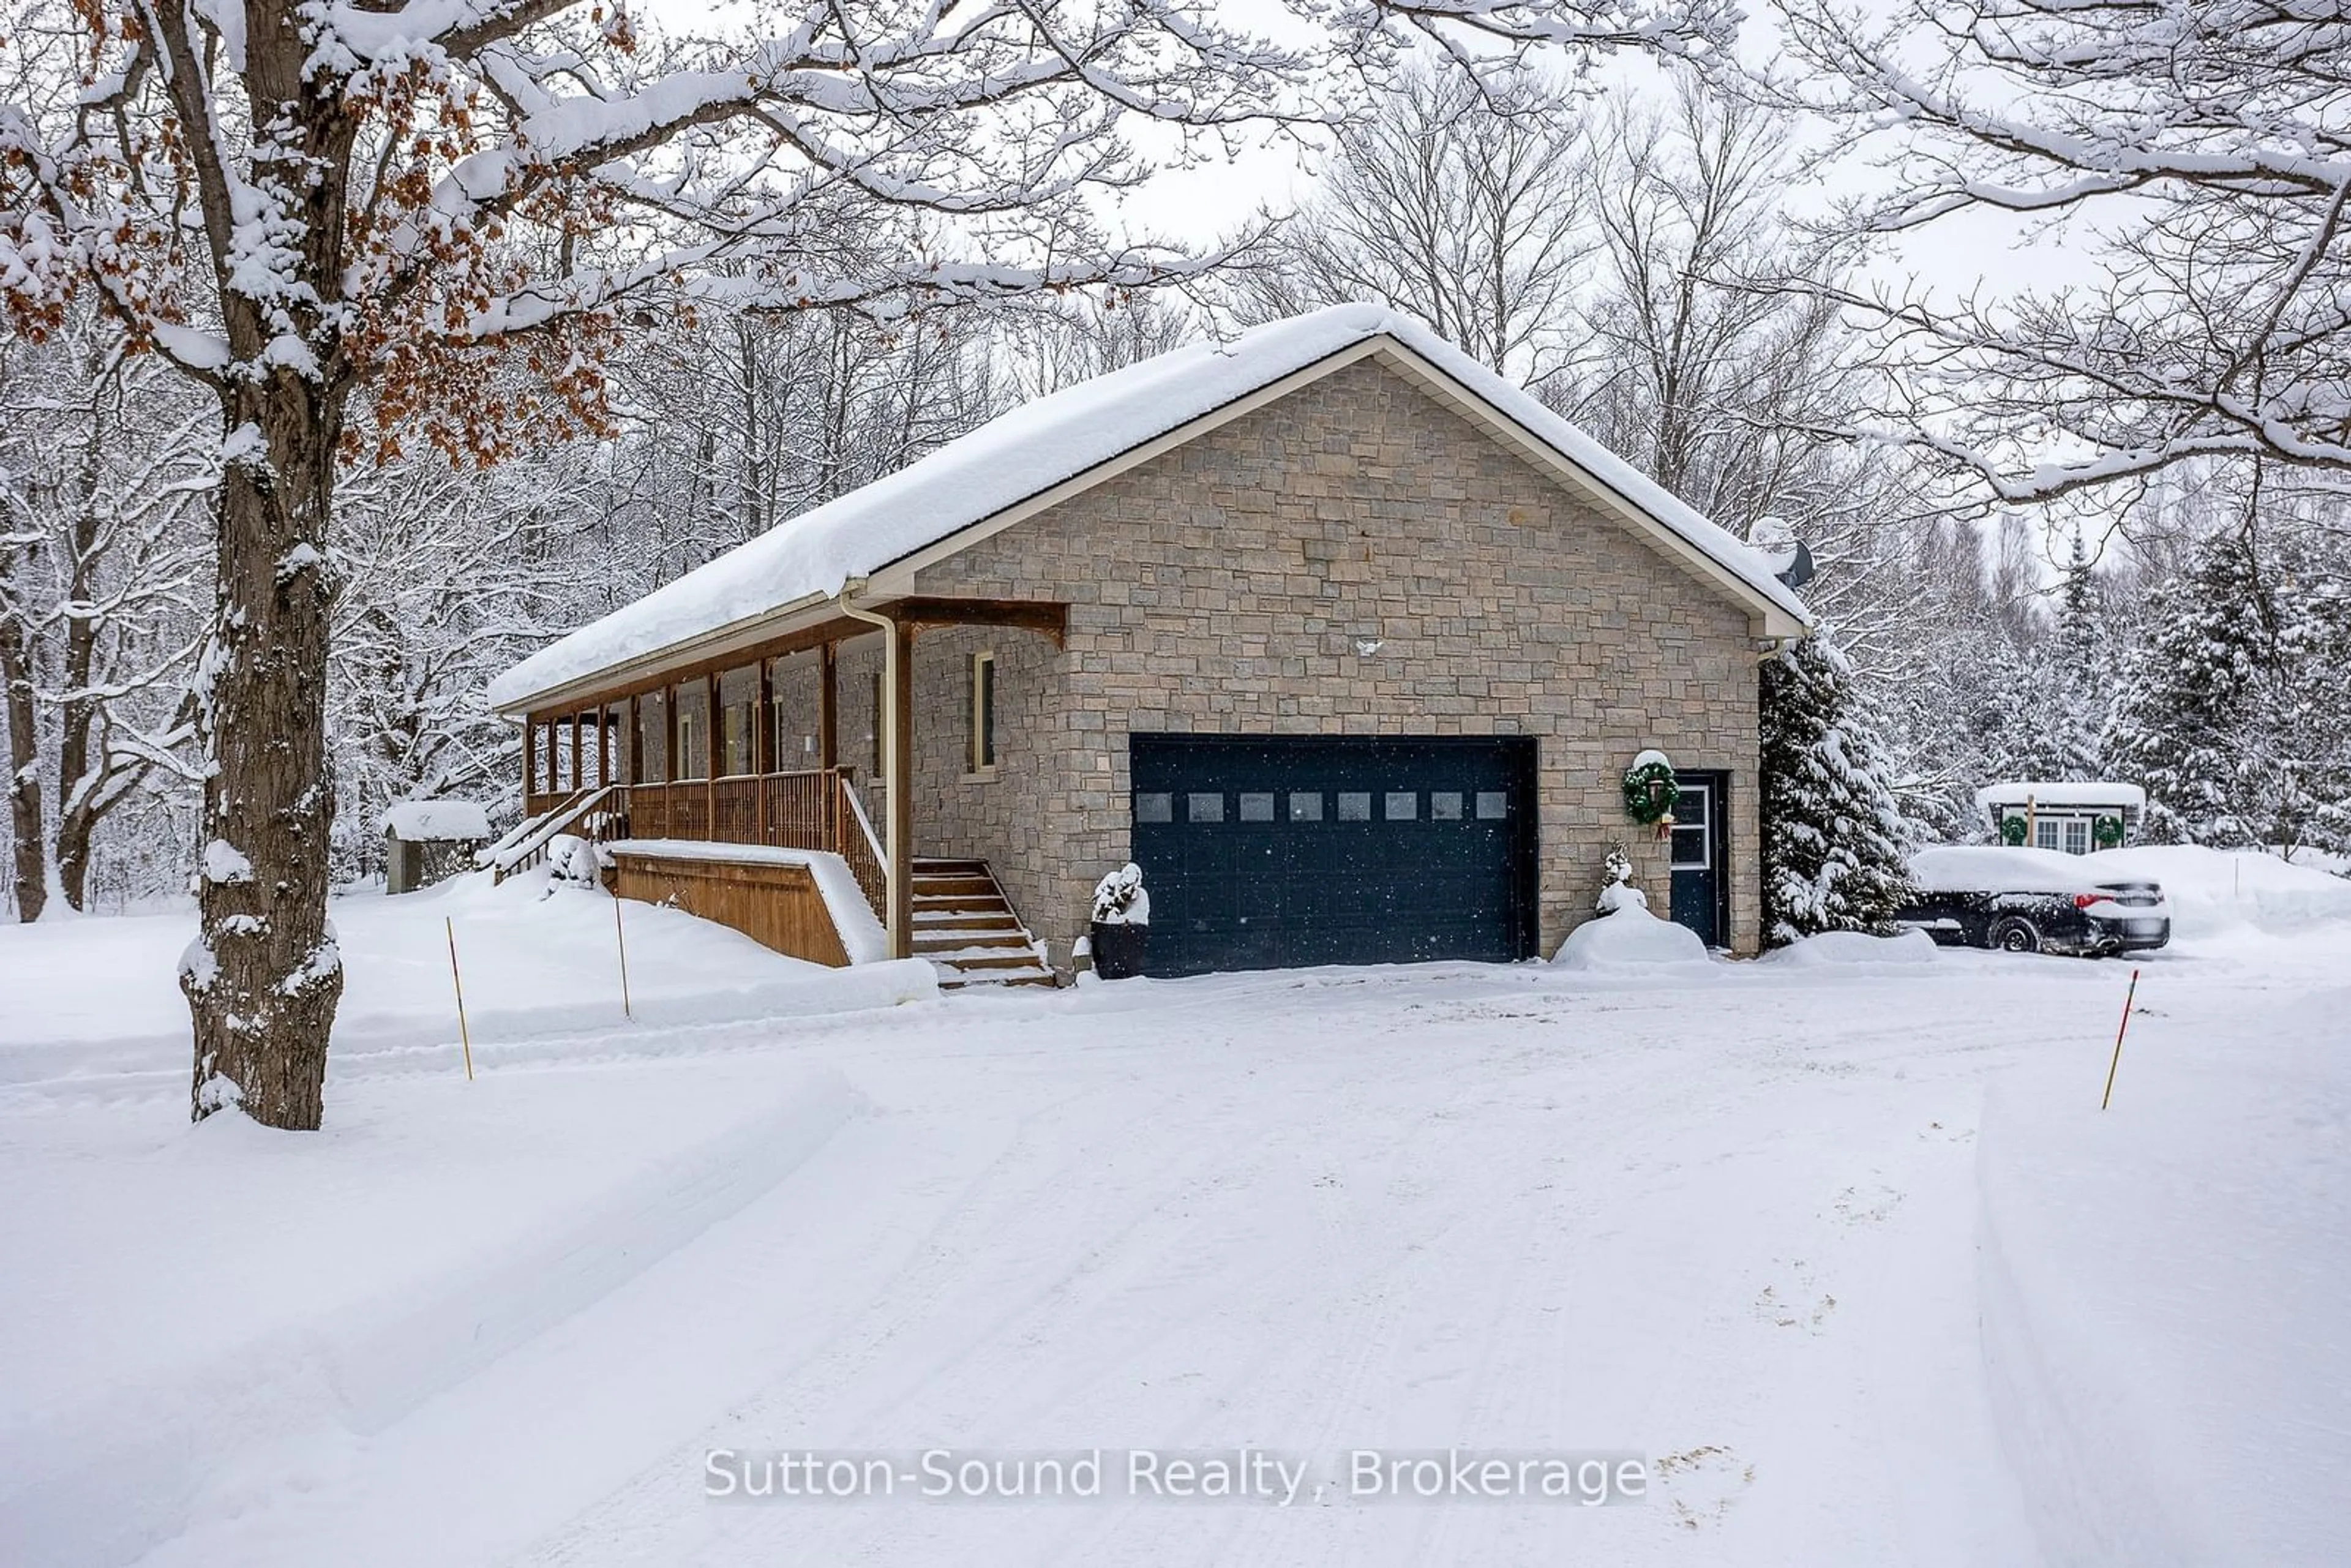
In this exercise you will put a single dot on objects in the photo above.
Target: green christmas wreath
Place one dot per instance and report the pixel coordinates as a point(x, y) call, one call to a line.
point(1650, 789)
point(2107, 832)
point(2012, 831)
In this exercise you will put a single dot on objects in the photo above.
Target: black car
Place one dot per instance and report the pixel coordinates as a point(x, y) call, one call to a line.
point(2033, 901)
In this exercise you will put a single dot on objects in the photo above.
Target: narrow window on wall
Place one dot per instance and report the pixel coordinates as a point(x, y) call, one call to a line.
point(983, 711)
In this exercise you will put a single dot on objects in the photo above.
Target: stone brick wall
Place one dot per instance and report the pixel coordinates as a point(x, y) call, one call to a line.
point(1224, 587)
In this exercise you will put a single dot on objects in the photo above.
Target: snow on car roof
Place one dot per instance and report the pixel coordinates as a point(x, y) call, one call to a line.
point(1048, 442)
point(2058, 794)
point(1994, 868)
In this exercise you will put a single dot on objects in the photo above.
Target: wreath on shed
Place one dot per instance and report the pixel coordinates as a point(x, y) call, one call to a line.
point(2107, 832)
point(1650, 789)
point(2012, 831)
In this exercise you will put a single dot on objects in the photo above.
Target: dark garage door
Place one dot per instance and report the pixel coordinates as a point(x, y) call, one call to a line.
point(1271, 852)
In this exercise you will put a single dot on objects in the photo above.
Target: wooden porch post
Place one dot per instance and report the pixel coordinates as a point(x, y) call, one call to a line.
point(710, 757)
point(902, 796)
point(828, 708)
point(763, 761)
point(529, 761)
point(578, 781)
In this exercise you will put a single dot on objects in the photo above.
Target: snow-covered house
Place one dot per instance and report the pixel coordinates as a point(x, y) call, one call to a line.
point(2076, 816)
point(1344, 640)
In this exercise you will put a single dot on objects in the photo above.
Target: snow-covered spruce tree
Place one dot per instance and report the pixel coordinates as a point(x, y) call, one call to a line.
point(1834, 843)
point(2230, 712)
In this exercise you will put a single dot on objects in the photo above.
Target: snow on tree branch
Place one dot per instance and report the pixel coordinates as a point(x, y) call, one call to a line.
point(2199, 151)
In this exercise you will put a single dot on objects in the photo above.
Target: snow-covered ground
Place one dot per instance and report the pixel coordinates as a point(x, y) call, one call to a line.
point(1840, 1241)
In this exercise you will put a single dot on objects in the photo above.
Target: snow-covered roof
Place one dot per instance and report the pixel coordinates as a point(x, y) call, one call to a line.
point(1057, 439)
point(2057, 795)
point(435, 822)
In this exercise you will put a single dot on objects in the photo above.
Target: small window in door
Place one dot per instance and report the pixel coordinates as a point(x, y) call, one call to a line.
point(1204, 806)
point(1306, 805)
point(2044, 833)
point(2077, 836)
point(1445, 805)
point(1256, 808)
point(1402, 806)
point(1493, 805)
point(1693, 829)
point(1154, 806)
point(1354, 805)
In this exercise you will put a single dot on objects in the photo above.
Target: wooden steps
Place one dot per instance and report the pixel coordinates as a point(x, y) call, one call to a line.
point(965, 925)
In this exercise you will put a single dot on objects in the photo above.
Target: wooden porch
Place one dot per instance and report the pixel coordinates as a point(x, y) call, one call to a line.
point(694, 751)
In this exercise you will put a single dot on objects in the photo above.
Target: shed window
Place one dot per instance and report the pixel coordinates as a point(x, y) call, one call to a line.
point(983, 711)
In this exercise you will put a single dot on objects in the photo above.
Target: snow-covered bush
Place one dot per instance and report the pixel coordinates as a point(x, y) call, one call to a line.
point(1616, 891)
point(1834, 843)
point(1120, 900)
point(573, 862)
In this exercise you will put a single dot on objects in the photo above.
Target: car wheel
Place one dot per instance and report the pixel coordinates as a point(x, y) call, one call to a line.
point(2016, 934)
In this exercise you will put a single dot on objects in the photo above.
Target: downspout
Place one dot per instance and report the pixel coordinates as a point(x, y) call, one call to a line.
point(894, 908)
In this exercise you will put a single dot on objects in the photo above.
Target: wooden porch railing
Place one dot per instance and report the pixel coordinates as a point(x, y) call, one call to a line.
point(589, 813)
point(816, 810)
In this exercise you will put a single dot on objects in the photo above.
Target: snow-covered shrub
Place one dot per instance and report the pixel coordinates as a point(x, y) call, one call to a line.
point(573, 862)
point(1616, 889)
point(1835, 846)
point(1120, 900)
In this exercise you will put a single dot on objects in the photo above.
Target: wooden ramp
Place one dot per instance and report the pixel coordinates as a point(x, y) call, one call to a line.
point(965, 925)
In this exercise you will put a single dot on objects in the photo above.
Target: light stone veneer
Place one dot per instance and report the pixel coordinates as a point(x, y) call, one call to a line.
point(1223, 587)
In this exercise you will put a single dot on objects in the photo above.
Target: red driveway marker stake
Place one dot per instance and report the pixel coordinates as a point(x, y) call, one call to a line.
point(2118, 1062)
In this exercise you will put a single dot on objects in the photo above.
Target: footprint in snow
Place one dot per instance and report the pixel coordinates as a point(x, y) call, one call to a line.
point(1699, 1485)
point(1798, 1303)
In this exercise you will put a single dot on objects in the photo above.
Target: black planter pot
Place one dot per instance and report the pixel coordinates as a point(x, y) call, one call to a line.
point(1119, 950)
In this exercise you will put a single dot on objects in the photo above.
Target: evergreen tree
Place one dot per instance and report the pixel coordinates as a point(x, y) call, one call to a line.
point(1834, 843)
point(2231, 712)
point(2079, 662)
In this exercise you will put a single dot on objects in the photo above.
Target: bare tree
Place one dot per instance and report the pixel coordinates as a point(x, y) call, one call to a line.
point(1702, 366)
point(2201, 155)
point(1455, 201)
point(106, 465)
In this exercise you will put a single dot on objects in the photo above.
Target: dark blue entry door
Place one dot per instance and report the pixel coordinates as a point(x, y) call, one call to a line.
point(1700, 889)
point(1266, 852)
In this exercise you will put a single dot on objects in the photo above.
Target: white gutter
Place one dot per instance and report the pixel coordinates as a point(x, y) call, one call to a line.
point(894, 908)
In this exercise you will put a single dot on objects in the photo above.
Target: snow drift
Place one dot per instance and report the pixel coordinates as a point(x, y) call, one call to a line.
point(1631, 939)
point(1855, 949)
point(2212, 891)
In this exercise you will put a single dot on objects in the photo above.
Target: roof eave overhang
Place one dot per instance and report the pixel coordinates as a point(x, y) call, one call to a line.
point(808, 610)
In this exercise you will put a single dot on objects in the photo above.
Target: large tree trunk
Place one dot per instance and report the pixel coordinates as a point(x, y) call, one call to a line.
point(30, 884)
point(263, 976)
